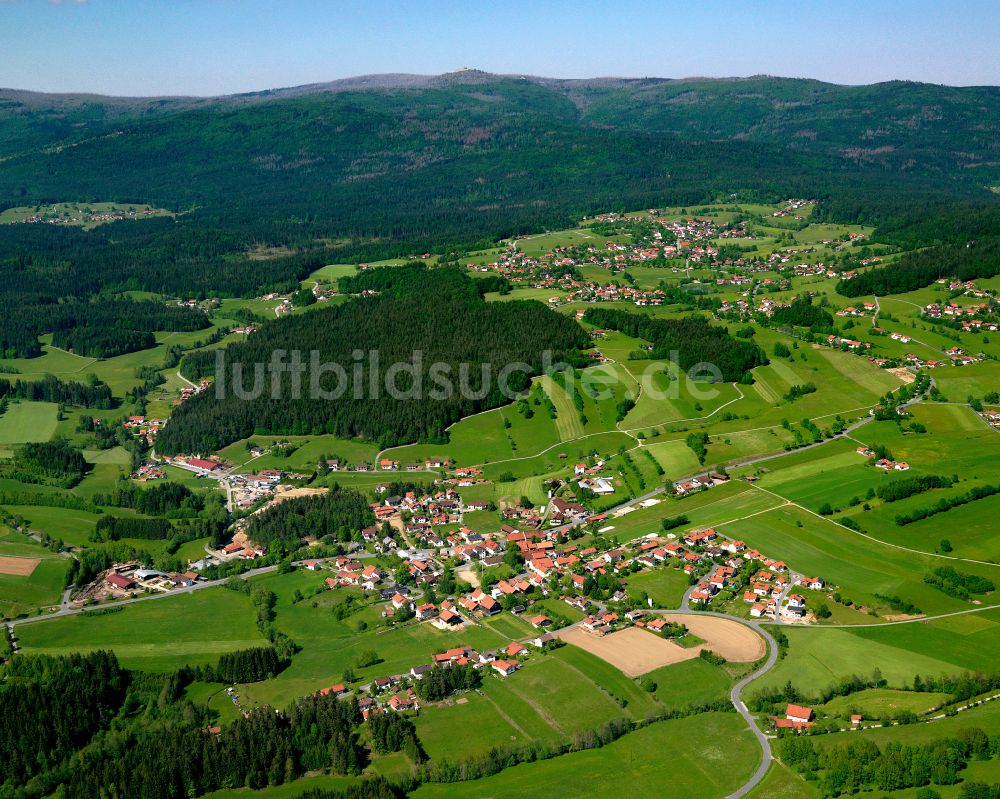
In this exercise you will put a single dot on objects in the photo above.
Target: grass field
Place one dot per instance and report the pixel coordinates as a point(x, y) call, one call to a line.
point(783, 783)
point(157, 635)
point(637, 702)
point(709, 755)
point(817, 657)
point(290, 790)
point(72, 526)
point(690, 683)
point(567, 419)
point(665, 587)
point(26, 421)
point(882, 703)
point(479, 717)
point(857, 566)
point(42, 588)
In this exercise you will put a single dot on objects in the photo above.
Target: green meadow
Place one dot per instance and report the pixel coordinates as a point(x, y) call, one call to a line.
point(882, 703)
point(665, 586)
point(709, 755)
point(25, 421)
point(155, 635)
point(43, 588)
point(819, 656)
point(856, 566)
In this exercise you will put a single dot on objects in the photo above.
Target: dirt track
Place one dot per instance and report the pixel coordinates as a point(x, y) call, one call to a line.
point(18, 567)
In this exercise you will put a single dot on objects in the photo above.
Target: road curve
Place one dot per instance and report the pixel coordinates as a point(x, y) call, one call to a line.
point(735, 694)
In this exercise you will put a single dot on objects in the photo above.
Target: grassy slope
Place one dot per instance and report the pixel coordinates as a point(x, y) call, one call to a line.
point(158, 635)
point(709, 756)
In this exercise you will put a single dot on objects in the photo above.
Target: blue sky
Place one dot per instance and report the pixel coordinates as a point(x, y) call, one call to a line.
point(146, 47)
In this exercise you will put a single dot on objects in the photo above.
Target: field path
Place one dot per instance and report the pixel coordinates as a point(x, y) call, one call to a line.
point(506, 716)
point(542, 713)
point(697, 418)
point(873, 538)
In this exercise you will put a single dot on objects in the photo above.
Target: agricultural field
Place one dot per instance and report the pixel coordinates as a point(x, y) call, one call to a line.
point(155, 635)
point(700, 764)
point(25, 421)
point(31, 577)
point(817, 657)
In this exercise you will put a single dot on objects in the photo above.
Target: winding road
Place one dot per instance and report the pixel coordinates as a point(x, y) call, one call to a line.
point(736, 692)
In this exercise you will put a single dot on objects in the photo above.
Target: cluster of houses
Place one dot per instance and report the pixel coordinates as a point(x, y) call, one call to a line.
point(148, 471)
point(955, 313)
point(720, 563)
point(349, 571)
point(767, 306)
point(395, 692)
point(952, 311)
point(992, 417)
point(595, 292)
point(385, 465)
point(883, 463)
point(866, 309)
point(813, 270)
point(960, 357)
point(956, 355)
point(792, 207)
point(243, 550)
point(668, 239)
point(916, 361)
point(699, 483)
point(86, 218)
point(189, 391)
point(249, 489)
point(843, 343)
point(143, 427)
point(424, 512)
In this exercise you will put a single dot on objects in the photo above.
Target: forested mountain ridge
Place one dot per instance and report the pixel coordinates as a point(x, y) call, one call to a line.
point(380, 130)
point(861, 122)
point(387, 166)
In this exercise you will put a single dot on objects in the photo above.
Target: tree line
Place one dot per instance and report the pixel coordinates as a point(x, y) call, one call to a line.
point(802, 313)
point(861, 764)
point(896, 490)
point(157, 500)
point(243, 666)
point(690, 341)
point(53, 462)
point(969, 260)
point(946, 504)
point(111, 528)
point(93, 394)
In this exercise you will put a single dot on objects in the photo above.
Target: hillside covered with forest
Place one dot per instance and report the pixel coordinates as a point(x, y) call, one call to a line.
point(266, 187)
